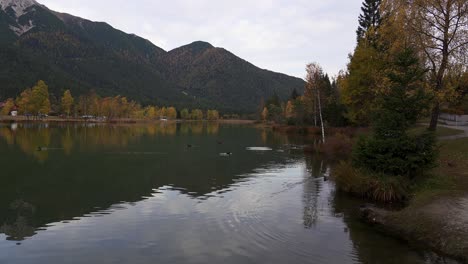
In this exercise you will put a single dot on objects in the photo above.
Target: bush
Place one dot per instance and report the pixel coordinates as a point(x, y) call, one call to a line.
point(396, 156)
point(336, 147)
point(374, 186)
point(350, 179)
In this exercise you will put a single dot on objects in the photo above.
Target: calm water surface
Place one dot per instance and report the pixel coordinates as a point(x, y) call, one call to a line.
point(140, 194)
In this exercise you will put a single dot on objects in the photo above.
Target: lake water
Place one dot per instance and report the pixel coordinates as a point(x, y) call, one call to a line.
point(162, 193)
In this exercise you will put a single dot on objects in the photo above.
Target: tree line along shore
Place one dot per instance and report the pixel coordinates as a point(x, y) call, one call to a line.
point(35, 104)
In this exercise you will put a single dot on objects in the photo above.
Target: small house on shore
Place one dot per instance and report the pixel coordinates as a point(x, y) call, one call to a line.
point(453, 119)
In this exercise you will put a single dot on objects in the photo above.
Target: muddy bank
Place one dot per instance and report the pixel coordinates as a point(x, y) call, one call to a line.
point(441, 224)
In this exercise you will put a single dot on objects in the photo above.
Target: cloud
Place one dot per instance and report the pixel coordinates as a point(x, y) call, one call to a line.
point(279, 35)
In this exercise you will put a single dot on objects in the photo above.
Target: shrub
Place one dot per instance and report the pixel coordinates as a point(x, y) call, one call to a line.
point(350, 179)
point(404, 155)
point(336, 146)
point(374, 186)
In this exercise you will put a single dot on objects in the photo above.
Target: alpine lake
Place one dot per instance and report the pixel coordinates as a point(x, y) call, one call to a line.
point(177, 193)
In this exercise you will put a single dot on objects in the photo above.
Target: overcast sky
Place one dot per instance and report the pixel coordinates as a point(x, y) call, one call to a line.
point(279, 35)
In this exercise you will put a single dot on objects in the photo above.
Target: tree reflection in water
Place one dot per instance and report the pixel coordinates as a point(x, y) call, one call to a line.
point(82, 167)
point(94, 136)
point(19, 228)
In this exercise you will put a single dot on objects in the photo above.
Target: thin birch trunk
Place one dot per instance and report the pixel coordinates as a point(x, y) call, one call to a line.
point(321, 118)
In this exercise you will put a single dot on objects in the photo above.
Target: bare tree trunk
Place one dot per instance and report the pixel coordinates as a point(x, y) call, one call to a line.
point(315, 111)
point(321, 118)
point(434, 117)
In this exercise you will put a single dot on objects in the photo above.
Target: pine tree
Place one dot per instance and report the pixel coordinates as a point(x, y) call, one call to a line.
point(294, 94)
point(370, 18)
point(391, 149)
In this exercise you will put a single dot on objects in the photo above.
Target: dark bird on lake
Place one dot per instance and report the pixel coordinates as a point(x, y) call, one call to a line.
point(41, 148)
point(225, 154)
point(189, 145)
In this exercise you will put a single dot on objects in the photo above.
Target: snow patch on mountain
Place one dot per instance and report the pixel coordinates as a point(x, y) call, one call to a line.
point(19, 8)
point(21, 29)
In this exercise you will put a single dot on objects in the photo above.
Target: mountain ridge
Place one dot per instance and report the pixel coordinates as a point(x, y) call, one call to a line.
point(69, 52)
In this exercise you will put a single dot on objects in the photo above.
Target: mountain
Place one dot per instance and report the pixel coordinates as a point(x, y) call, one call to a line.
point(69, 52)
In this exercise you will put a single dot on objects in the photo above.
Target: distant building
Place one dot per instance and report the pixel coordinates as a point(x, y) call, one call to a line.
point(453, 119)
point(14, 111)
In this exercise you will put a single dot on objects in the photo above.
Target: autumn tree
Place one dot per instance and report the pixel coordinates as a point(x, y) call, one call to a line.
point(39, 99)
point(23, 102)
point(109, 107)
point(138, 112)
point(9, 104)
point(196, 114)
point(212, 115)
point(90, 104)
point(150, 112)
point(363, 80)
point(314, 92)
point(163, 112)
point(67, 102)
point(171, 113)
point(441, 30)
point(289, 111)
point(185, 114)
point(265, 114)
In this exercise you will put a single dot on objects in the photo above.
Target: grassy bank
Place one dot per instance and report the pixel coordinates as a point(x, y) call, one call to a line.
point(437, 213)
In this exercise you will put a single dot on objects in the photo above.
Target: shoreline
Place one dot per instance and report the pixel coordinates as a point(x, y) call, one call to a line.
point(22, 119)
point(437, 214)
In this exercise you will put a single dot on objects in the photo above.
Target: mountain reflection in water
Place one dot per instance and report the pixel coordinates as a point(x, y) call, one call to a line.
point(162, 193)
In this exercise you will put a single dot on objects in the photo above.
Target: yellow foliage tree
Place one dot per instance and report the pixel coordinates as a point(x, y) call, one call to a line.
point(23, 102)
point(184, 114)
point(163, 112)
point(212, 115)
point(265, 114)
point(9, 104)
point(67, 102)
point(289, 113)
point(150, 112)
point(197, 114)
point(171, 113)
point(39, 101)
